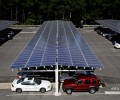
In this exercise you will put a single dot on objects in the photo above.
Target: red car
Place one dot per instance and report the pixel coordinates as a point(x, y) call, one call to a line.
point(81, 83)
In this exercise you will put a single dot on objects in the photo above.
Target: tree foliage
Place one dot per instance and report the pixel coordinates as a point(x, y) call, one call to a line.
point(37, 11)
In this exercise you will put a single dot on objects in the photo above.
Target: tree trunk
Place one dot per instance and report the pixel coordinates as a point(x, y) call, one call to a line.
point(11, 14)
point(23, 15)
point(16, 13)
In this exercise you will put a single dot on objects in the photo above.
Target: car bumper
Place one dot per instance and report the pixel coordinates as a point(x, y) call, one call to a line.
point(49, 88)
point(117, 46)
point(13, 88)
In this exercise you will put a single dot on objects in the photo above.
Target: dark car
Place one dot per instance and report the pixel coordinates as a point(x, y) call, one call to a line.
point(7, 33)
point(42, 75)
point(81, 83)
point(98, 29)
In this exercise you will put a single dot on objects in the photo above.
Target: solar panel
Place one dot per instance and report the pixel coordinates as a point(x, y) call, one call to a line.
point(111, 24)
point(73, 50)
point(42, 49)
point(6, 23)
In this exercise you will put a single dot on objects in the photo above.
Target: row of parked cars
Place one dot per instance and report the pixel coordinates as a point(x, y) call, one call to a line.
point(82, 81)
point(6, 34)
point(110, 35)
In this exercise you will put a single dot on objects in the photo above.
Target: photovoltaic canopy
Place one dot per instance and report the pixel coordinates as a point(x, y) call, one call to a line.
point(57, 41)
point(6, 23)
point(114, 25)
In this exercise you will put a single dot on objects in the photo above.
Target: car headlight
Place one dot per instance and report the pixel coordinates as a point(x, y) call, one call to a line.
point(49, 86)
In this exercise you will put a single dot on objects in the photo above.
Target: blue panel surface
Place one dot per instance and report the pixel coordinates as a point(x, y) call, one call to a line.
point(41, 50)
point(6, 23)
point(55, 36)
point(72, 49)
point(111, 24)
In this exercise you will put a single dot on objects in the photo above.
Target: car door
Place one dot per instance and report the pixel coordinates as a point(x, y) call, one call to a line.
point(79, 86)
point(87, 84)
point(32, 86)
point(24, 86)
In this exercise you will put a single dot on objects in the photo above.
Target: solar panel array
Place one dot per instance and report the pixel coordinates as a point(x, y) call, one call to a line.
point(42, 49)
point(72, 49)
point(6, 23)
point(111, 24)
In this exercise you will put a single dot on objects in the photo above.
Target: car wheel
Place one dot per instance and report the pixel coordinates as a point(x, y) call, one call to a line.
point(69, 91)
point(42, 90)
point(92, 90)
point(18, 90)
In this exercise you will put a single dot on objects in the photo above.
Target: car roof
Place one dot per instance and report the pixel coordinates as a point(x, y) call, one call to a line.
point(87, 77)
point(28, 78)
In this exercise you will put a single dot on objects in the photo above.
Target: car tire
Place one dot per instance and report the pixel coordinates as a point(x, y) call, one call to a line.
point(68, 91)
point(92, 90)
point(19, 90)
point(42, 90)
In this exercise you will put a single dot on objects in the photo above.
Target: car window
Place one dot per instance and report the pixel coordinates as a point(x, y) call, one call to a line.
point(74, 80)
point(33, 83)
point(38, 81)
point(30, 78)
point(80, 82)
point(28, 83)
point(25, 83)
point(20, 80)
point(87, 81)
point(94, 82)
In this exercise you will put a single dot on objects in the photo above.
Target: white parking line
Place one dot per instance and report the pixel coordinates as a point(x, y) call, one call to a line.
point(21, 38)
point(29, 94)
point(112, 92)
point(28, 32)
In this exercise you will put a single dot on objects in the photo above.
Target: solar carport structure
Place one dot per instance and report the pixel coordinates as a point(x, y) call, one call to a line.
point(59, 44)
point(114, 25)
point(6, 23)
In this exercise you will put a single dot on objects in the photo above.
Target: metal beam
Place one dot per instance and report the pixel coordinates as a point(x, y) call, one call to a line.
point(57, 93)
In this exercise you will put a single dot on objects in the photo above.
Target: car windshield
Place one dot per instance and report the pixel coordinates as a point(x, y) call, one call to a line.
point(20, 80)
point(38, 81)
point(74, 80)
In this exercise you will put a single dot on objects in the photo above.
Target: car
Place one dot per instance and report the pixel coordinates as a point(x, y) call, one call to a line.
point(98, 29)
point(104, 31)
point(7, 33)
point(81, 83)
point(30, 84)
point(41, 75)
point(117, 44)
point(109, 35)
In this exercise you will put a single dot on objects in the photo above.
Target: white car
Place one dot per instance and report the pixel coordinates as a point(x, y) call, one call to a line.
point(117, 45)
point(31, 84)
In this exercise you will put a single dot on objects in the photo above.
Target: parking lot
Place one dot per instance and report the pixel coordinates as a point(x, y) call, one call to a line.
point(107, 54)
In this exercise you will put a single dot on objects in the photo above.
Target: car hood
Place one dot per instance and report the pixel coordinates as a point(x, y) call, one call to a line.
point(15, 81)
point(68, 81)
point(45, 82)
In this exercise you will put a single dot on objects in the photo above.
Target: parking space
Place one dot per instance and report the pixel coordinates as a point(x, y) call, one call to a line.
point(107, 54)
